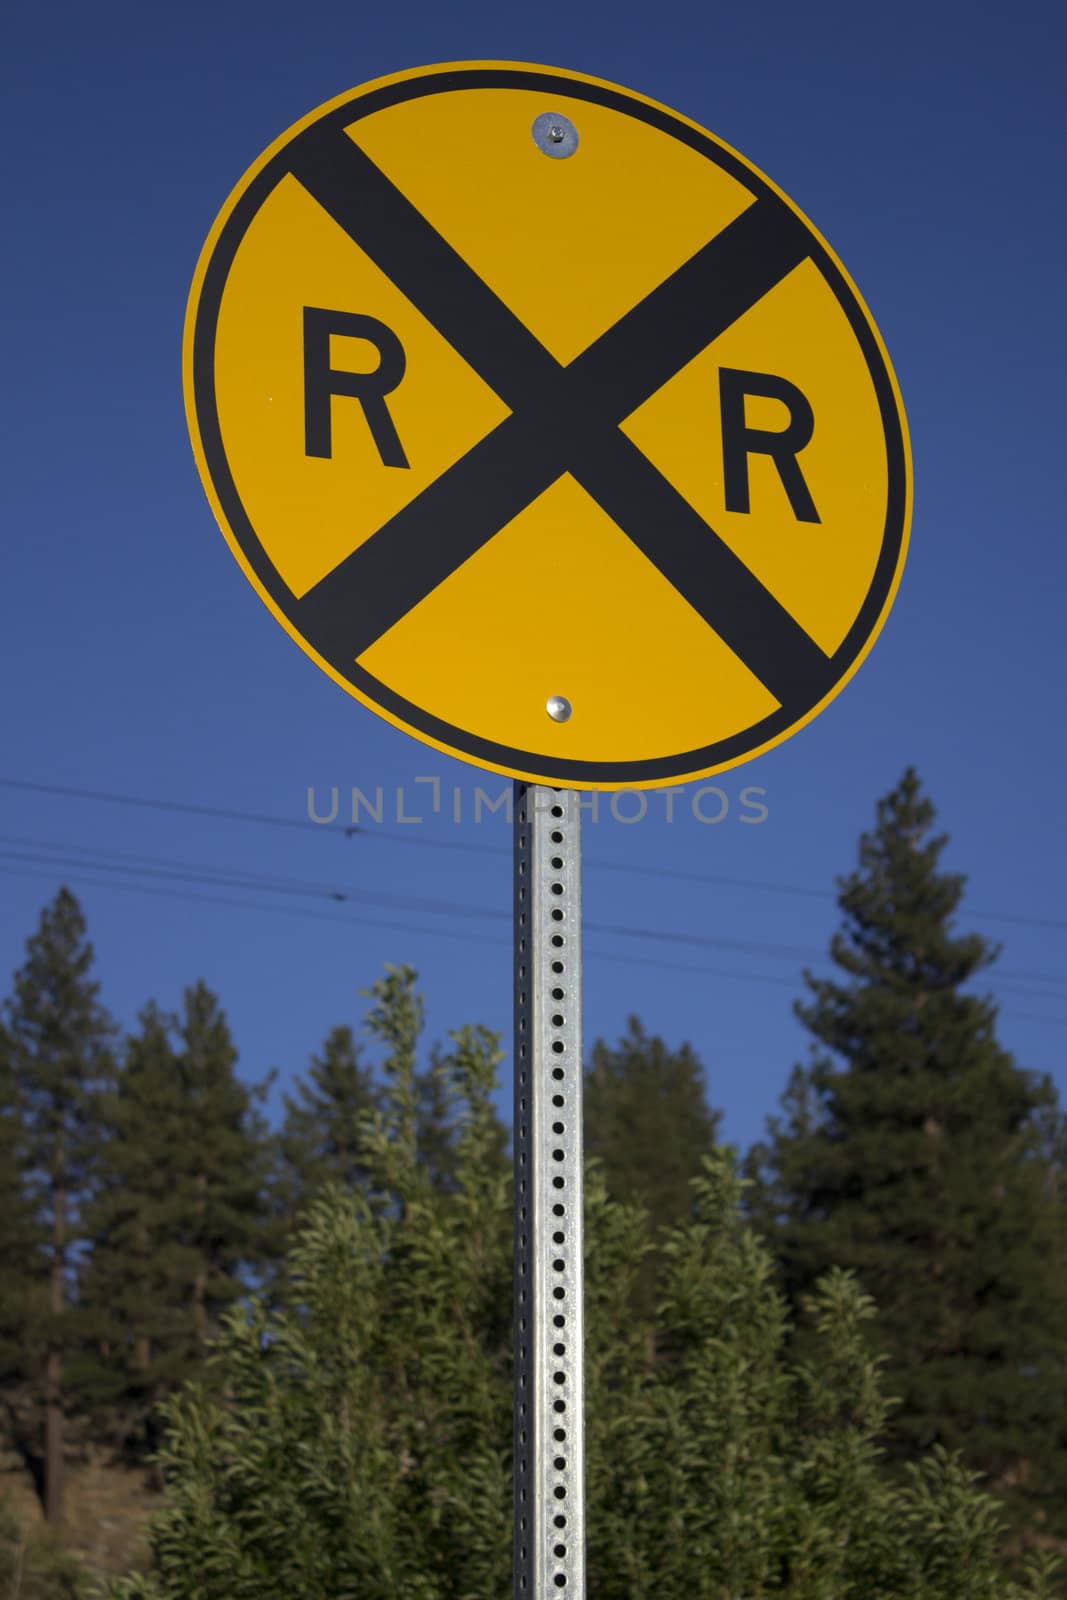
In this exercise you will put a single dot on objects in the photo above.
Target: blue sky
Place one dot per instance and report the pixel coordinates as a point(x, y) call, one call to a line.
point(925, 142)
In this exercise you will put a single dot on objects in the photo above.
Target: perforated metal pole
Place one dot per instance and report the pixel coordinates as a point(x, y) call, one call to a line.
point(549, 1330)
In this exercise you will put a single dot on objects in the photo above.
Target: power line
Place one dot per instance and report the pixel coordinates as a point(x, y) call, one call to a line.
point(220, 812)
point(378, 922)
point(188, 872)
point(265, 819)
point(172, 871)
point(252, 905)
point(258, 818)
point(447, 933)
point(63, 854)
point(170, 868)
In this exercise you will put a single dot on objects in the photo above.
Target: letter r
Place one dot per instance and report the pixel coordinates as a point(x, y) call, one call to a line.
point(739, 441)
point(322, 381)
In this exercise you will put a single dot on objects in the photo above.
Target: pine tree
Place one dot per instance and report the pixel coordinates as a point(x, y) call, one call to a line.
point(58, 1038)
point(178, 1217)
point(23, 1271)
point(647, 1120)
point(910, 1152)
point(320, 1142)
point(322, 1134)
point(133, 1284)
point(224, 1167)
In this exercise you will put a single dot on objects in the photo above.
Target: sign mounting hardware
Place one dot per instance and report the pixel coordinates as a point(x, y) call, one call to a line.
point(555, 135)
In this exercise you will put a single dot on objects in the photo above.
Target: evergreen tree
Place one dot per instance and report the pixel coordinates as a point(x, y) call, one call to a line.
point(647, 1120)
point(23, 1273)
point(322, 1133)
point(178, 1215)
point(320, 1142)
point(59, 1064)
point(224, 1167)
point(133, 1285)
point(911, 1152)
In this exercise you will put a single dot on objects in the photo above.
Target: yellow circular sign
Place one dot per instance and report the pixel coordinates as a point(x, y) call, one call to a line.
point(547, 426)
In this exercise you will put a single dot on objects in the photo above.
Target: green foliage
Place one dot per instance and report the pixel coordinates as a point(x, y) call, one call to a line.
point(57, 1065)
point(357, 1443)
point(420, 1104)
point(34, 1567)
point(177, 1216)
point(320, 1141)
point(356, 1449)
point(915, 1152)
point(22, 1238)
point(57, 1037)
point(396, 1020)
point(321, 1136)
point(647, 1120)
point(737, 1468)
point(325, 1125)
point(351, 1437)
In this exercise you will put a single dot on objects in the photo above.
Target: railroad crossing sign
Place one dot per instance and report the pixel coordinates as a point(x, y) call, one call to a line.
point(547, 426)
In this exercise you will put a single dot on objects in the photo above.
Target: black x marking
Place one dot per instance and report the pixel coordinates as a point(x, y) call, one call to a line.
point(563, 419)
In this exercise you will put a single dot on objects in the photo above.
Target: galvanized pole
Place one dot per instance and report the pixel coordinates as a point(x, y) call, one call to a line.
point(549, 1330)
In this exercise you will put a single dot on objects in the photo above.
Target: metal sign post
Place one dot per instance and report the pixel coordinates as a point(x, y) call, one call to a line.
point(549, 1324)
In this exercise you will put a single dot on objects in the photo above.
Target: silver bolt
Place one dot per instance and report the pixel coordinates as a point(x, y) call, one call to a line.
point(558, 707)
point(555, 135)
